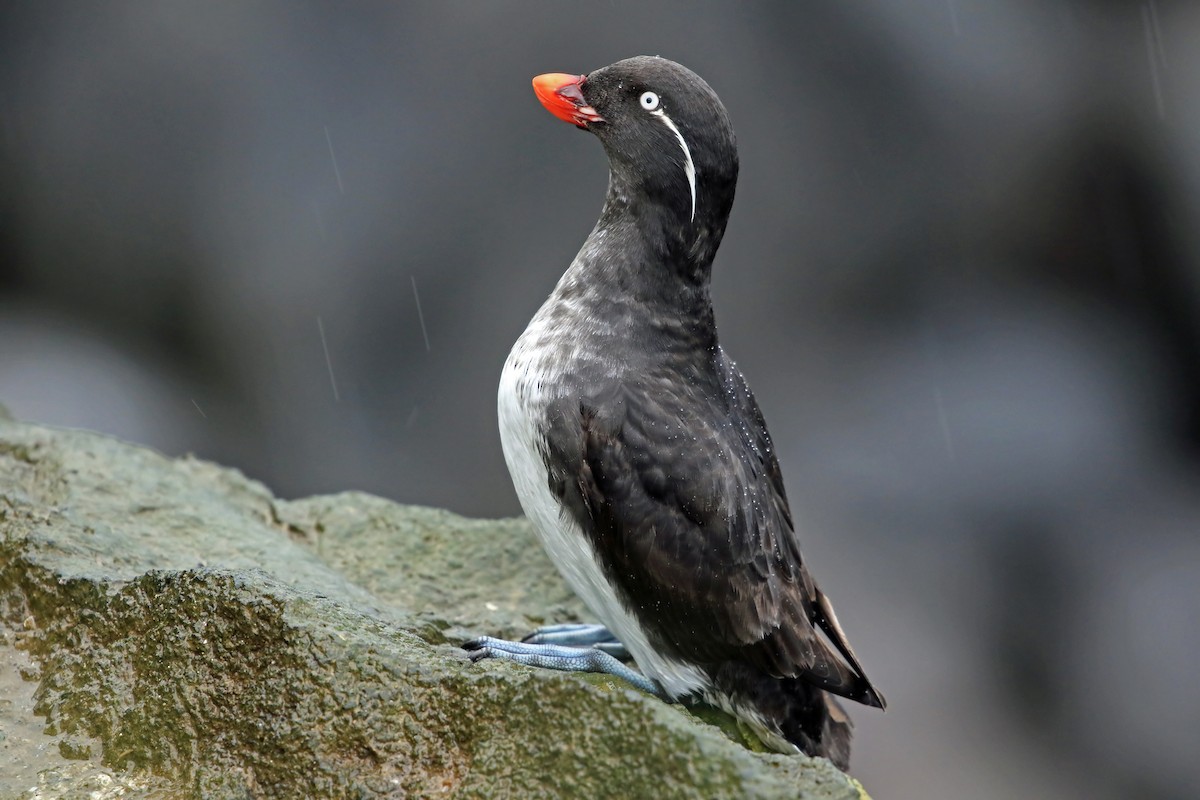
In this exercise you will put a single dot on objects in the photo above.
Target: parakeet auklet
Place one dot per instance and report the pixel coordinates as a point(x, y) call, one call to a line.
point(639, 453)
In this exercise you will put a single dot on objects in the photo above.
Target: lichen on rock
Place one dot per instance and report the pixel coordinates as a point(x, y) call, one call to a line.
point(176, 631)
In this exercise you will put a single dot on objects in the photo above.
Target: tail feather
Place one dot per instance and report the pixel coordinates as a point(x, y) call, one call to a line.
point(816, 723)
point(790, 711)
point(835, 733)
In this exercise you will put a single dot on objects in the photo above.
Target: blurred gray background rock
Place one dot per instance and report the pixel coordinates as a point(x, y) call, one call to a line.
point(962, 276)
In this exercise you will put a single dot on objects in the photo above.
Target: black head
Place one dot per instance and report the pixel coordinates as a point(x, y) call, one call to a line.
point(670, 145)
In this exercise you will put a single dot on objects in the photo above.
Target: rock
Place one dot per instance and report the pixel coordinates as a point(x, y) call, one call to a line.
point(170, 629)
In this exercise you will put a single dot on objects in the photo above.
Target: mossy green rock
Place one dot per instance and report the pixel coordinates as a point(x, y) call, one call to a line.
point(170, 630)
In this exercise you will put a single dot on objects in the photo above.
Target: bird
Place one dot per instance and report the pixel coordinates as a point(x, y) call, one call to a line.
point(639, 453)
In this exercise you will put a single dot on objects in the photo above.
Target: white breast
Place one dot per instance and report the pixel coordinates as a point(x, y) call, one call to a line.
point(522, 401)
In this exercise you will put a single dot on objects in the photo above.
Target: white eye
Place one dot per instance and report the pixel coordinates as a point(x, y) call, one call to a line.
point(649, 101)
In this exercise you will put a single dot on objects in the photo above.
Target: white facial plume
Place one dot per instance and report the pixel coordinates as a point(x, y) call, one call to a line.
point(650, 102)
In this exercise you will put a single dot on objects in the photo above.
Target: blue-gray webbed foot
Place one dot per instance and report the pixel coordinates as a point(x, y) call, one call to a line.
point(561, 657)
point(578, 634)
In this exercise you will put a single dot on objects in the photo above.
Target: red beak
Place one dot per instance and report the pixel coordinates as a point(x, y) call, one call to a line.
point(561, 96)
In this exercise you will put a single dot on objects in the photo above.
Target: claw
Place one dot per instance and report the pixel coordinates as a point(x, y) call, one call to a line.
point(477, 649)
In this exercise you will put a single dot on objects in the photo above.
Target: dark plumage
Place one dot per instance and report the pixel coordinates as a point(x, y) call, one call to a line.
point(637, 448)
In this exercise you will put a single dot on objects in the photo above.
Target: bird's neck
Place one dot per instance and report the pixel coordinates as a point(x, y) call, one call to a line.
point(647, 275)
point(669, 233)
